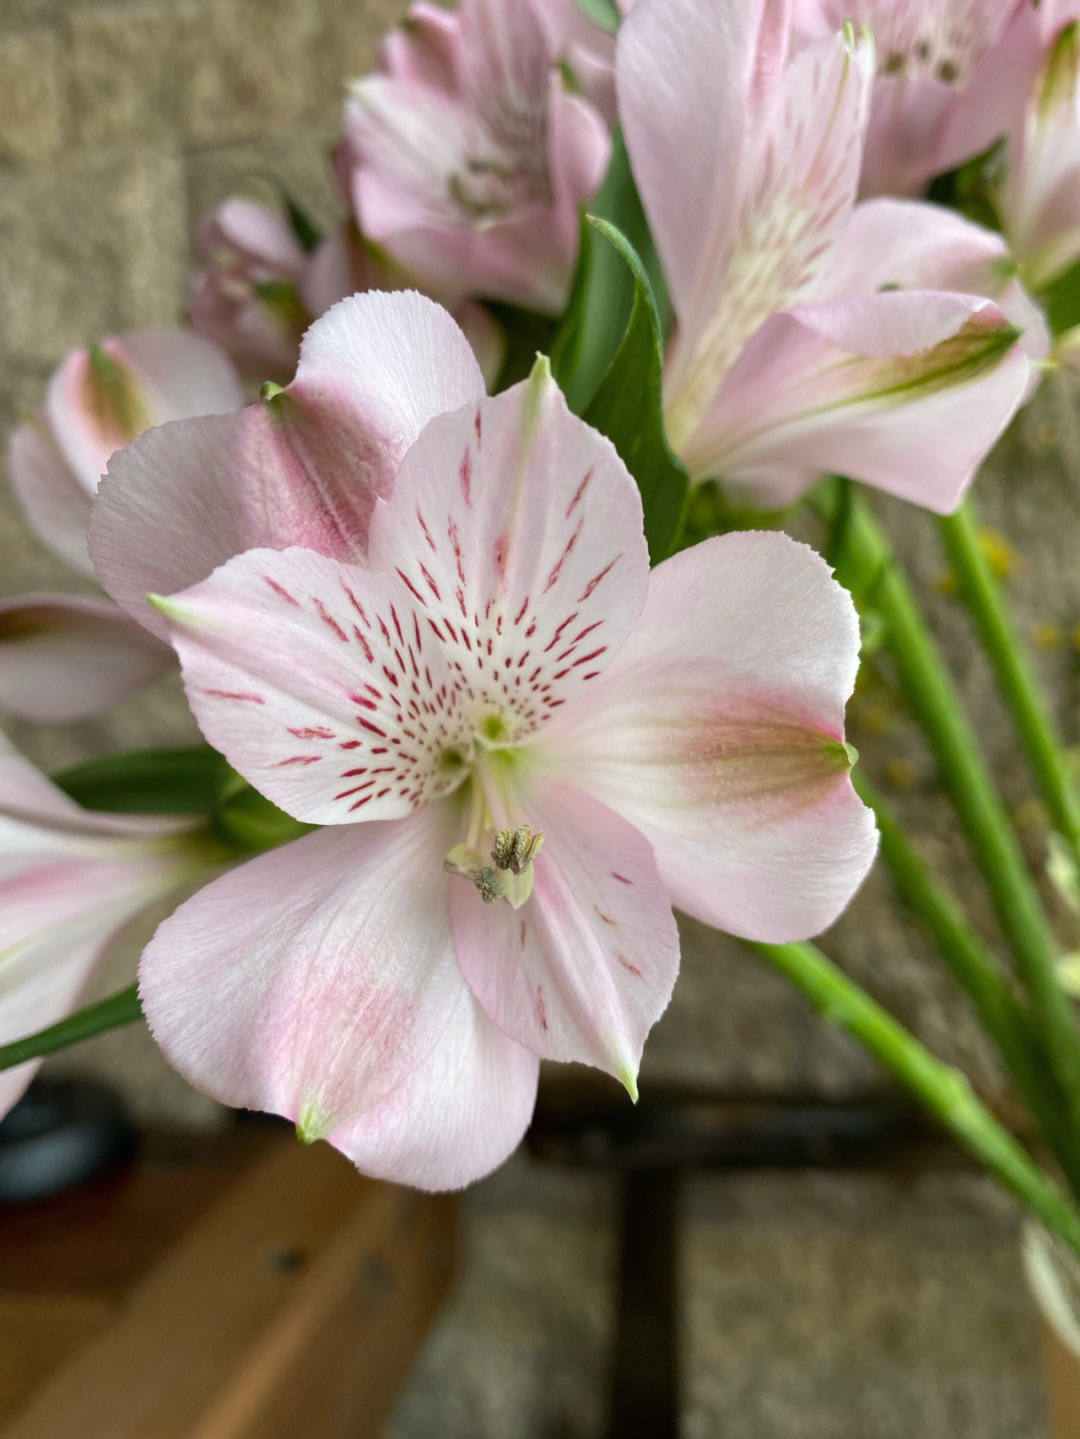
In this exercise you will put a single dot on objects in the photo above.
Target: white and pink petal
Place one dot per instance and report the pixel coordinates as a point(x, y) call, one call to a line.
point(685, 76)
point(318, 981)
point(718, 732)
point(906, 391)
point(301, 469)
point(54, 501)
point(65, 658)
point(70, 880)
point(795, 193)
point(585, 967)
point(517, 531)
point(321, 685)
point(101, 398)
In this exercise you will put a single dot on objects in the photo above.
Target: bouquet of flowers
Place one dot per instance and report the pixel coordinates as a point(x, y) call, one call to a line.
point(483, 601)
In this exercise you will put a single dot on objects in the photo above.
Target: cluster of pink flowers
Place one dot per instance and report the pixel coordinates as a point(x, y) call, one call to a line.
point(417, 611)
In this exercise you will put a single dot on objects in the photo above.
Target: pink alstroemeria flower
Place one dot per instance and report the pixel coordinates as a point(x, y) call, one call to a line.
point(342, 264)
point(467, 157)
point(70, 880)
point(260, 290)
point(64, 657)
point(929, 109)
point(488, 660)
point(247, 298)
point(811, 334)
point(1039, 197)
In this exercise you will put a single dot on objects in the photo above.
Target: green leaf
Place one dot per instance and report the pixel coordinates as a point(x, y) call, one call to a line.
point(109, 1013)
point(304, 228)
point(604, 13)
point(152, 781)
point(1061, 300)
point(627, 407)
point(282, 299)
point(971, 188)
point(834, 499)
point(247, 820)
point(602, 297)
point(526, 334)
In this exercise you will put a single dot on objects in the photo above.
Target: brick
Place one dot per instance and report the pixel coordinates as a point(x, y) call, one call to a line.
point(835, 1305)
point(249, 67)
point(89, 247)
point(31, 98)
point(522, 1348)
point(125, 76)
point(299, 160)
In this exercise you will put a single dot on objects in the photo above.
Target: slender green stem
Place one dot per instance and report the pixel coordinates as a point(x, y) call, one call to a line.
point(944, 1091)
point(936, 702)
point(1034, 727)
point(975, 970)
point(108, 1013)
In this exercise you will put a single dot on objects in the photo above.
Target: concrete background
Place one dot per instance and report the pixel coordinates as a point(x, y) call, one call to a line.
point(121, 121)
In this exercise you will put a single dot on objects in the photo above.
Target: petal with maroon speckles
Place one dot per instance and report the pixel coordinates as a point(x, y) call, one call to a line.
point(586, 966)
point(302, 470)
point(718, 732)
point(518, 532)
point(312, 982)
point(322, 684)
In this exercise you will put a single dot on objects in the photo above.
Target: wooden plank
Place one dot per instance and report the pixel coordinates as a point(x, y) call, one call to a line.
point(291, 1309)
point(103, 1236)
point(1063, 1376)
point(37, 1332)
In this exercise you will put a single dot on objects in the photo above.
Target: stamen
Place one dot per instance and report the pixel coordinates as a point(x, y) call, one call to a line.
point(490, 884)
point(514, 848)
point(512, 876)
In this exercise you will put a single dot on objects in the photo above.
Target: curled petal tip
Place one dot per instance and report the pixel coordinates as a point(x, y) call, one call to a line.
point(843, 756)
point(163, 604)
point(540, 374)
point(311, 1126)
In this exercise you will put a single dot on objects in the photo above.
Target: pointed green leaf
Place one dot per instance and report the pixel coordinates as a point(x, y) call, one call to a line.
point(1061, 300)
point(303, 226)
point(603, 292)
point(627, 406)
point(152, 781)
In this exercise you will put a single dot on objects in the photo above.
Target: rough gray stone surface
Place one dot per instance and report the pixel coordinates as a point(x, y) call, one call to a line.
point(824, 1305)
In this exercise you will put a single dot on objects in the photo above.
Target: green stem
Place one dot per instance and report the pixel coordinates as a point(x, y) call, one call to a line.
point(982, 595)
point(936, 703)
point(944, 1091)
point(108, 1013)
point(975, 970)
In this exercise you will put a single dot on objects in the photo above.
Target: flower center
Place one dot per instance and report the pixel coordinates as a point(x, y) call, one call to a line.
point(510, 874)
point(496, 854)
